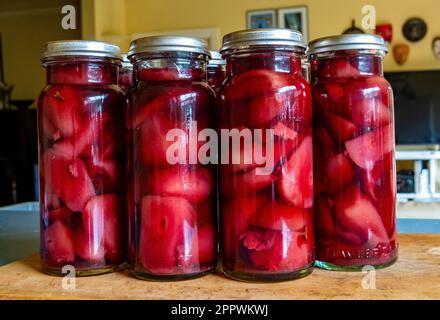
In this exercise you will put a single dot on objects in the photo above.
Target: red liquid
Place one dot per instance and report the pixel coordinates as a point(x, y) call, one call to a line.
point(125, 78)
point(216, 75)
point(80, 117)
point(355, 182)
point(173, 228)
point(267, 220)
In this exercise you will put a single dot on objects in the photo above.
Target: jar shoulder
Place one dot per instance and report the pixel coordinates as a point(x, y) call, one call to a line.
point(365, 85)
point(144, 90)
point(82, 90)
point(55, 93)
point(260, 82)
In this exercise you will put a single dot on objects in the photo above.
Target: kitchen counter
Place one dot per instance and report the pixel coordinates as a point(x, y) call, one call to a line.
point(416, 275)
point(20, 226)
point(19, 231)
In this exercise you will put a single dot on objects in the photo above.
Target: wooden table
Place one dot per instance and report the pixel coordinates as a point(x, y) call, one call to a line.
point(416, 275)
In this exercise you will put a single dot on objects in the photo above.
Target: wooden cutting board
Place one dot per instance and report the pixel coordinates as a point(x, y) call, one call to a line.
point(416, 275)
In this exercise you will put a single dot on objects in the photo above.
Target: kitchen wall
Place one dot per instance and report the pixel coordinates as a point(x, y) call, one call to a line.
point(325, 18)
point(24, 32)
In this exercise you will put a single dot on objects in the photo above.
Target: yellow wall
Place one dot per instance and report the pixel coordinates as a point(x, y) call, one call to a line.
point(104, 20)
point(24, 34)
point(325, 18)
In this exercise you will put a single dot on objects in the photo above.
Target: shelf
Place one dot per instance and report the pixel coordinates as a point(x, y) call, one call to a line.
point(417, 155)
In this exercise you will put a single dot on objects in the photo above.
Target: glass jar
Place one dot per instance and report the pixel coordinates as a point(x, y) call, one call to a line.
point(216, 71)
point(80, 123)
point(305, 66)
point(266, 182)
point(173, 191)
point(355, 177)
point(125, 74)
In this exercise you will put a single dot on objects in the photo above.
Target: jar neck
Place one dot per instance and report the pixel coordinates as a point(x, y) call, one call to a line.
point(214, 68)
point(170, 67)
point(278, 61)
point(82, 71)
point(368, 63)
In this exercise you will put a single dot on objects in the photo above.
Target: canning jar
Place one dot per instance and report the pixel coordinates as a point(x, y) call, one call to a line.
point(216, 70)
point(80, 123)
point(266, 176)
point(355, 177)
point(172, 187)
point(125, 74)
point(305, 66)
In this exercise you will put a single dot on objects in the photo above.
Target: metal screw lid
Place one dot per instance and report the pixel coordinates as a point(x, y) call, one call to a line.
point(241, 40)
point(348, 42)
point(125, 62)
point(81, 48)
point(164, 44)
point(216, 59)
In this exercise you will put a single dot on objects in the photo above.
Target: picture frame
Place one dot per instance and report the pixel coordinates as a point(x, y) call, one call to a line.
point(295, 18)
point(257, 19)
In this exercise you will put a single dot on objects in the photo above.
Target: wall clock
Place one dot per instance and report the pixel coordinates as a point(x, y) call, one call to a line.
point(414, 29)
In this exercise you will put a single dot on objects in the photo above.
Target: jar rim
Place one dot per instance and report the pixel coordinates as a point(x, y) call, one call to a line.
point(167, 44)
point(348, 42)
point(126, 63)
point(216, 59)
point(251, 38)
point(80, 48)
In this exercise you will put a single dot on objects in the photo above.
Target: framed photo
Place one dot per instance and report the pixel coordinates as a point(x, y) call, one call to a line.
point(295, 18)
point(261, 19)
